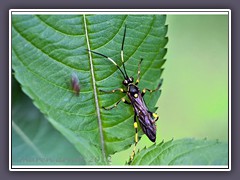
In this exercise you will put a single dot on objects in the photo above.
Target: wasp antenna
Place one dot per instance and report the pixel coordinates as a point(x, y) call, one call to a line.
point(100, 54)
point(124, 34)
point(109, 60)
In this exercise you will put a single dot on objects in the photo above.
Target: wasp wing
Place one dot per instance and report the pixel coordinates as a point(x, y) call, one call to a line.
point(145, 118)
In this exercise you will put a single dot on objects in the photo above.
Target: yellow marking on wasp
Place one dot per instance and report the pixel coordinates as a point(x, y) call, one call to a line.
point(112, 61)
point(135, 95)
point(123, 100)
point(121, 89)
point(136, 137)
point(137, 81)
point(144, 91)
point(133, 154)
point(122, 56)
point(155, 115)
point(135, 125)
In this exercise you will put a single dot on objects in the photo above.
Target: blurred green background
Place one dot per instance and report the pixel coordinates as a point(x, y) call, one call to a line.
point(194, 99)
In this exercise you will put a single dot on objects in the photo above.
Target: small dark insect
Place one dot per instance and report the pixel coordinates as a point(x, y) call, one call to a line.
point(75, 83)
point(146, 118)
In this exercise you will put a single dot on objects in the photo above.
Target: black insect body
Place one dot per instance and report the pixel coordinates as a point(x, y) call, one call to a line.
point(146, 118)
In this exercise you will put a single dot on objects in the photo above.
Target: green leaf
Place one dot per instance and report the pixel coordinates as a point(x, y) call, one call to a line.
point(34, 140)
point(47, 49)
point(184, 152)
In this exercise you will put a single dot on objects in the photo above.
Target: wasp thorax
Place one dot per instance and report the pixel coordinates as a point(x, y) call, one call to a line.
point(128, 81)
point(133, 90)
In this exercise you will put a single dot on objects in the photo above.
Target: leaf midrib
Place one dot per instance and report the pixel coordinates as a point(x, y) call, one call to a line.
point(95, 92)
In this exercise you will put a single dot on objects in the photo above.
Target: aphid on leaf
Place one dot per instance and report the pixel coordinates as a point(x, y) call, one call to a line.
point(75, 83)
point(146, 118)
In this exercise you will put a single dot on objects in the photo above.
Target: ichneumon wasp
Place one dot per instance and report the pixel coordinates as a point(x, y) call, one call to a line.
point(146, 118)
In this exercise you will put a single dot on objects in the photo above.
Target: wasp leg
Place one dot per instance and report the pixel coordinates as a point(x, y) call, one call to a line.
point(115, 105)
point(146, 89)
point(138, 77)
point(114, 90)
point(154, 115)
point(135, 139)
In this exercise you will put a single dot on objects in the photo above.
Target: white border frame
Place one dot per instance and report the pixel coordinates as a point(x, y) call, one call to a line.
point(123, 11)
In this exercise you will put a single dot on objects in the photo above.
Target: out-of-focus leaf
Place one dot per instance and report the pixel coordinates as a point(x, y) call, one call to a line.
point(34, 140)
point(184, 152)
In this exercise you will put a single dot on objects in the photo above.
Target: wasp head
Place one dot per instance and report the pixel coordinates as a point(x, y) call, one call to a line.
point(127, 81)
